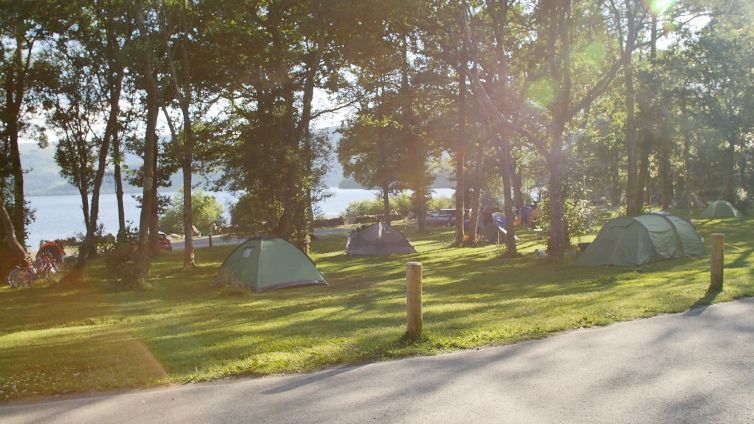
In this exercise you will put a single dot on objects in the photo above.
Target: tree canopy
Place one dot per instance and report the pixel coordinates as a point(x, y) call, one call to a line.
point(630, 102)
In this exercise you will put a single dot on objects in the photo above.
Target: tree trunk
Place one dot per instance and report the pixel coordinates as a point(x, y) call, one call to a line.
point(666, 175)
point(188, 218)
point(183, 94)
point(460, 195)
point(742, 169)
point(477, 195)
point(148, 208)
point(688, 186)
point(19, 200)
point(729, 173)
point(386, 205)
point(634, 198)
point(643, 183)
point(507, 159)
point(303, 134)
point(154, 219)
point(420, 191)
point(10, 242)
point(90, 245)
point(85, 209)
point(615, 186)
point(517, 178)
point(119, 189)
point(15, 86)
point(460, 157)
point(558, 243)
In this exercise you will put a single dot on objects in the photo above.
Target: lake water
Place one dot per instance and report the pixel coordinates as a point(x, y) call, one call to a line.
point(61, 217)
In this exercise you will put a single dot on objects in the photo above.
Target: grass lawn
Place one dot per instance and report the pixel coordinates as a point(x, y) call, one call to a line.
point(66, 340)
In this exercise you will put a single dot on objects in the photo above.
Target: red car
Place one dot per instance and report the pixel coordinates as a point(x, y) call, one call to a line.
point(165, 243)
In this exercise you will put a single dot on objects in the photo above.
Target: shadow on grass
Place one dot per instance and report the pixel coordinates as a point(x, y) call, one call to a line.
point(702, 304)
point(472, 297)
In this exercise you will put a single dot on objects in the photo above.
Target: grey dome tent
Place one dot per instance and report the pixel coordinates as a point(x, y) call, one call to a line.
point(721, 209)
point(267, 263)
point(377, 240)
point(688, 201)
point(643, 239)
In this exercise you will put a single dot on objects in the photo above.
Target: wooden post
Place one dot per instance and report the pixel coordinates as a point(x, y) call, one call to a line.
point(716, 271)
point(414, 298)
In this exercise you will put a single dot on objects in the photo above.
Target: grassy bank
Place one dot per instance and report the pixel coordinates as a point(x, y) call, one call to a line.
point(62, 340)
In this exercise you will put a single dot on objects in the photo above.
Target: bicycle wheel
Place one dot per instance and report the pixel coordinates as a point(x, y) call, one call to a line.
point(19, 277)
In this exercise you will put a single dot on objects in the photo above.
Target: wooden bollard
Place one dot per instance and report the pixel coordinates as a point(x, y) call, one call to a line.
point(414, 298)
point(716, 271)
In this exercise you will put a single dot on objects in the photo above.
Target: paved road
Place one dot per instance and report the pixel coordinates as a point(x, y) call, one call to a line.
point(201, 242)
point(692, 367)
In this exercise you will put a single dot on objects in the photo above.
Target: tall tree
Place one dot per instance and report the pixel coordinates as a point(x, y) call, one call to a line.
point(105, 39)
point(724, 71)
point(24, 27)
point(560, 29)
point(177, 24)
point(144, 46)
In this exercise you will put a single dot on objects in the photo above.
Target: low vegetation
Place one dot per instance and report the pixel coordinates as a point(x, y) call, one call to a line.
point(67, 339)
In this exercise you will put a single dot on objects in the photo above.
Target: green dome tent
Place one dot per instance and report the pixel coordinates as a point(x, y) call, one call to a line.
point(643, 239)
point(267, 263)
point(721, 209)
point(377, 240)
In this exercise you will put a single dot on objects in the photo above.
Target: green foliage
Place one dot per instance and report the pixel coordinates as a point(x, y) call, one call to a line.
point(442, 202)
point(205, 210)
point(402, 204)
point(254, 214)
point(122, 265)
point(580, 216)
point(372, 151)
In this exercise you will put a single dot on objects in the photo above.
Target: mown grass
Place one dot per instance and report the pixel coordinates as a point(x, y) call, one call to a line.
point(70, 340)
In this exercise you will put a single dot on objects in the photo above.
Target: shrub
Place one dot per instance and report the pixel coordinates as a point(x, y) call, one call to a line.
point(122, 261)
point(205, 210)
point(401, 205)
point(122, 265)
point(442, 202)
point(580, 216)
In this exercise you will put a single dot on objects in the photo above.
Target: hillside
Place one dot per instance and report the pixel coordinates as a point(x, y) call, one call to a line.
point(43, 174)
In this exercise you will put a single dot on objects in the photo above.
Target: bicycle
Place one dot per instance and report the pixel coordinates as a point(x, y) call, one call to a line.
point(30, 272)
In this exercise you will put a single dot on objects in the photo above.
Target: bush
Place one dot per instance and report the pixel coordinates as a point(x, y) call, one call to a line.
point(205, 210)
point(401, 206)
point(103, 241)
point(580, 216)
point(122, 265)
point(122, 261)
point(443, 202)
point(361, 208)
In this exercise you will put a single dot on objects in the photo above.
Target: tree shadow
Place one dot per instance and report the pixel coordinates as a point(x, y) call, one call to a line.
point(703, 303)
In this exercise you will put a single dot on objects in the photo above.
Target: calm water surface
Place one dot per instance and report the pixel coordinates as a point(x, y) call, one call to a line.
point(61, 217)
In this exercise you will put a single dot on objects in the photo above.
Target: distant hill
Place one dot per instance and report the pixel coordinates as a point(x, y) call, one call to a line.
point(43, 174)
point(335, 177)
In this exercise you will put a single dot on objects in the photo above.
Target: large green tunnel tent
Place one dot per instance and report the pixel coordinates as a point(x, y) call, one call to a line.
point(266, 263)
point(643, 239)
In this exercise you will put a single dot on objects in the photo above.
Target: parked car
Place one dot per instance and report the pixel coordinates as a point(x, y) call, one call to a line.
point(444, 217)
point(165, 243)
point(441, 218)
